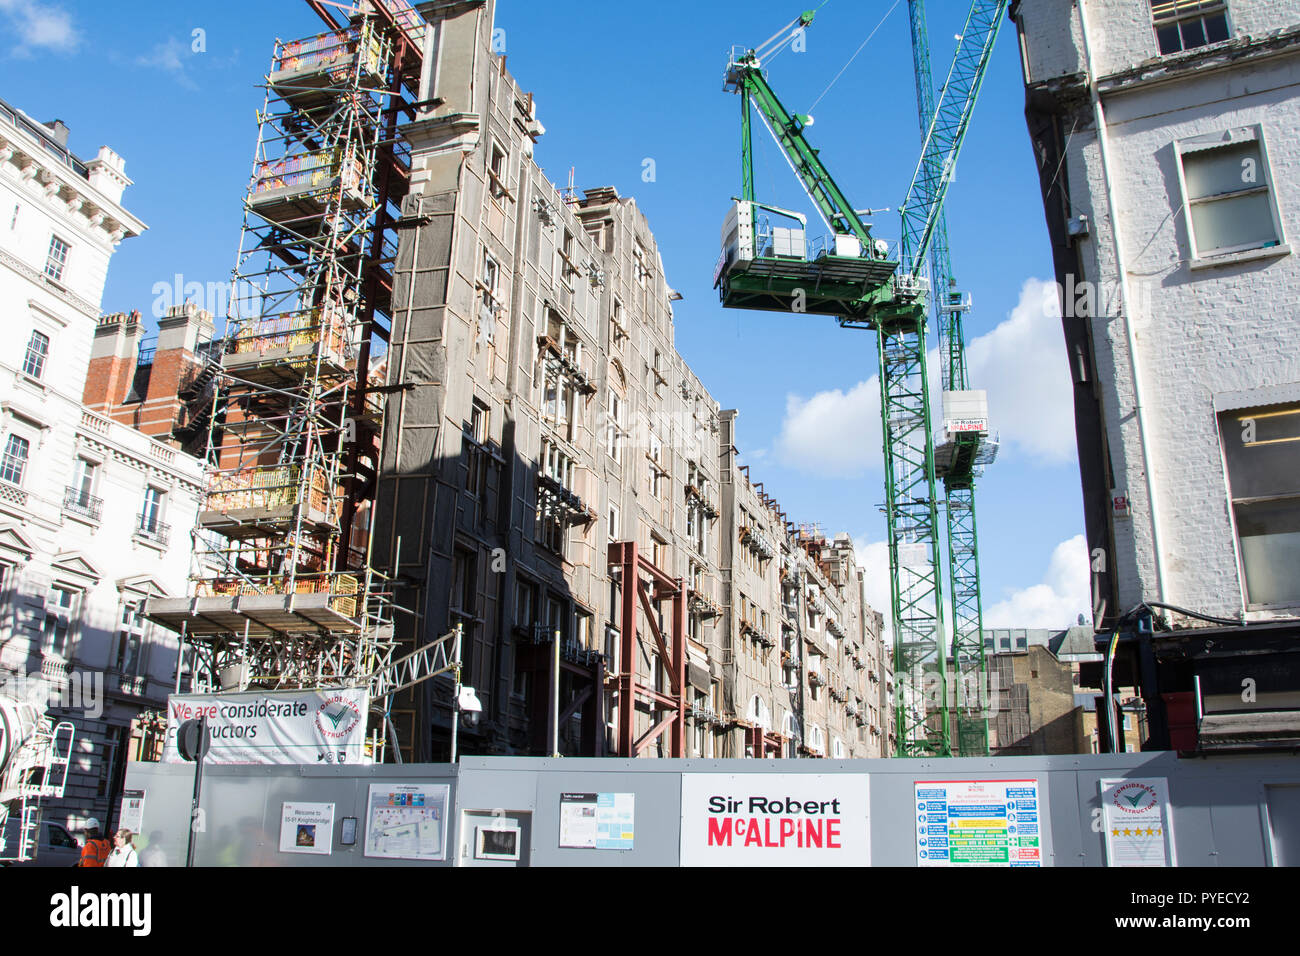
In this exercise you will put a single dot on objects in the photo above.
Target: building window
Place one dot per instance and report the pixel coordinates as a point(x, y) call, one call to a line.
point(151, 514)
point(61, 610)
point(490, 304)
point(497, 171)
point(56, 259)
point(38, 349)
point(476, 435)
point(618, 331)
point(1229, 196)
point(1187, 24)
point(560, 469)
point(14, 464)
point(1261, 447)
point(614, 427)
point(130, 639)
point(614, 527)
point(525, 603)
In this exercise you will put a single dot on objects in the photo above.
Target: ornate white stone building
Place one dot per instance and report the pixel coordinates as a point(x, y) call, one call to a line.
point(94, 515)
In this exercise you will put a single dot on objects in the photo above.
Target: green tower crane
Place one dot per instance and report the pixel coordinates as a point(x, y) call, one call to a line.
point(854, 278)
point(967, 448)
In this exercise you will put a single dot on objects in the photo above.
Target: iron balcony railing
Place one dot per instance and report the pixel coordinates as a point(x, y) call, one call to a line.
point(78, 502)
point(152, 528)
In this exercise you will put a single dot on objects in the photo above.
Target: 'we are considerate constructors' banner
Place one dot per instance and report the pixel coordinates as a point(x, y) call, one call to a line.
point(278, 727)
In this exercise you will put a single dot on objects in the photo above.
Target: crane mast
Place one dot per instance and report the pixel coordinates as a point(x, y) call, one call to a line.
point(853, 277)
point(958, 466)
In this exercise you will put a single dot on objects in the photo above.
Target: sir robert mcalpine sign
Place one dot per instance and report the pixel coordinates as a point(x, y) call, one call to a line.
point(769, 819)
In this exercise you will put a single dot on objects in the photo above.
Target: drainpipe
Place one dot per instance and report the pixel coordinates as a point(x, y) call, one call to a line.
point(1103, 144)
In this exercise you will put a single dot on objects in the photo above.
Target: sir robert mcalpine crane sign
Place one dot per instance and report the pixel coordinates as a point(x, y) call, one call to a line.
point(775, 820)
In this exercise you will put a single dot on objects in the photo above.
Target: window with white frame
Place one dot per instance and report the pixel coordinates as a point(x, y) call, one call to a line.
point(614, 426)
point(1261, 448)
point(816, 739)
point(38, 350)
point(1188, 24)
point(476, 449)
point(614, 523)
point(57, 258)
point(837, 748)
point(131, 639)
point(497, 171)
point(62, 607)
point(490, 304)
point(14, 463)
point(1228, 190)
point(151, 513)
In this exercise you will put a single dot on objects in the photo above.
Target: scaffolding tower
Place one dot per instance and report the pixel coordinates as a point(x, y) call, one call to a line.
point(283, 591)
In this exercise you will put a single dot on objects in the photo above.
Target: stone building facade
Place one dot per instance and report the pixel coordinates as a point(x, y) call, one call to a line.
point(540, 417)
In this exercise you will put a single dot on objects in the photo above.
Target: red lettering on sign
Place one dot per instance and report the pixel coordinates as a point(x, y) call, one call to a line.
point(813, 832)
point(833, 834)
point(787, 829)
point(752, 835)
point(719, 832)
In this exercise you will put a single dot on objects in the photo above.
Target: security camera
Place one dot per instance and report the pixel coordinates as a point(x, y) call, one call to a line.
point(469, 706)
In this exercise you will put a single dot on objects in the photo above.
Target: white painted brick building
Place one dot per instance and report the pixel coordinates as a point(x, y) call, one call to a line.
point(1168, 141)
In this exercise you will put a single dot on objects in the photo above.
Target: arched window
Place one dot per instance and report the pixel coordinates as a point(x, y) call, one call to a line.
point(816, 739)
point(837, 748)
point(759, 713)
point(790, 728)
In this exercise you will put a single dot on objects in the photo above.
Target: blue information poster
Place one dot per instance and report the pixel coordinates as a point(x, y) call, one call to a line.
point(978, 823)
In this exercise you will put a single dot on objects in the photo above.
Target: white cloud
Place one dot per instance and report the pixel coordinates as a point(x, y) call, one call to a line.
point(38, 25)
point(1064, 593)
point(873, 558)
point(1021, 363)
point(834, 433)
point(166, 56)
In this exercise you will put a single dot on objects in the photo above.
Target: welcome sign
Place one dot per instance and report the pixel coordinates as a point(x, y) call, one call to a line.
point(276, 727)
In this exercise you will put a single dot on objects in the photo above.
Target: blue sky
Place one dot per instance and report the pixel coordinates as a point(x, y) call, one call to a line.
point(617, 84)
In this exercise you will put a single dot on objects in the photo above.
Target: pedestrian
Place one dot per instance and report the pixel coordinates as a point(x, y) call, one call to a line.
point(123, 852)
point(94, 852)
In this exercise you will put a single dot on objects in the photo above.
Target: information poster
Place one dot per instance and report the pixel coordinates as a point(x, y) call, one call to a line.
point(597, 821)
point(1136, 815)
point(130, 814)
point(772, 819)
point(307, 828)
point(978, 823)
point(407, 821)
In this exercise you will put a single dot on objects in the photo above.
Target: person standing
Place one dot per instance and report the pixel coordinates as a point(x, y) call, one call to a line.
point(123, 852)
point(94, 852)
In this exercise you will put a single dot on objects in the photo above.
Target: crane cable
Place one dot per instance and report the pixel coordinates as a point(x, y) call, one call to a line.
point(855, 54)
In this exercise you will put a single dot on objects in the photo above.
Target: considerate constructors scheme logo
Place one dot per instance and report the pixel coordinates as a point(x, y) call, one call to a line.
point(337, 717)
point(1135, 798)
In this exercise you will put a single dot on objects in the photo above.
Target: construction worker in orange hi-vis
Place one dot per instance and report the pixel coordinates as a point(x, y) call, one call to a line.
point(94, 852)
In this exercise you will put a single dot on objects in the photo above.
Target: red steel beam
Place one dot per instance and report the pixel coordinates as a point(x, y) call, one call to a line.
point(623, 555)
